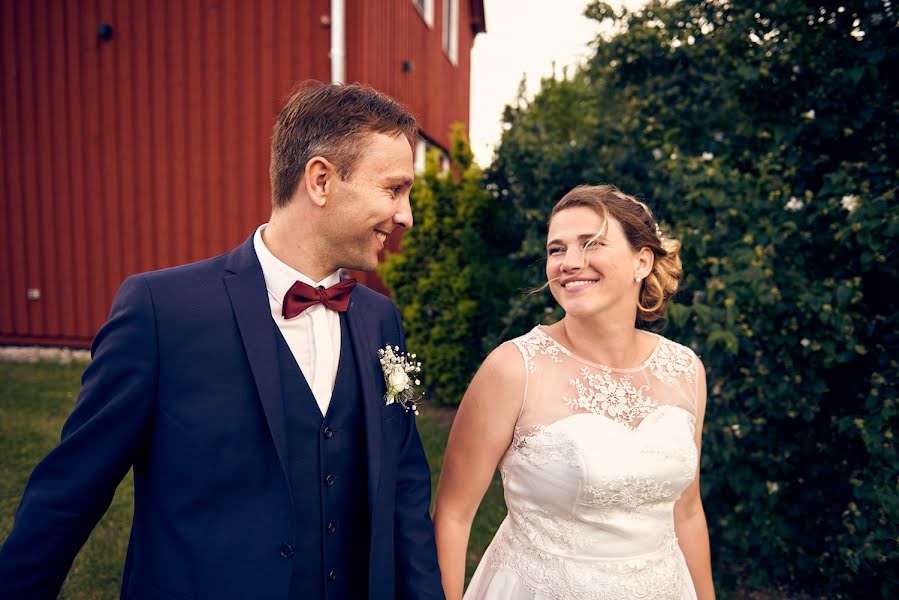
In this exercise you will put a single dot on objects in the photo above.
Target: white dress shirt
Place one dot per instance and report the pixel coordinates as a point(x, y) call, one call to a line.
point(313, 336)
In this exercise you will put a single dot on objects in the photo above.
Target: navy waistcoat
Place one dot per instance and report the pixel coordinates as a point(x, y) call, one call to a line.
point(328, 476)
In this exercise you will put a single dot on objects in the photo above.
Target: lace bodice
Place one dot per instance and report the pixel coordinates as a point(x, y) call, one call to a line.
point(597, 461)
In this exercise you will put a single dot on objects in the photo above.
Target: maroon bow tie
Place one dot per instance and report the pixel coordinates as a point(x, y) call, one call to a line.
point(301, 296)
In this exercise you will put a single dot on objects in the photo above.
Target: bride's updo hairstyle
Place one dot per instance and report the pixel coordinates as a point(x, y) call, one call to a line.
point(641, 231)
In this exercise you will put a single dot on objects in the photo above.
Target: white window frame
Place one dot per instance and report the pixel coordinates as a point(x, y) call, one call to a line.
point(421, 152)
point(451, 30)
point(426, 9)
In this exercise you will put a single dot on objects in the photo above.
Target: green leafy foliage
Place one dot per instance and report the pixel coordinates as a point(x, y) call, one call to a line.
point(764, 136)
point(451, 279)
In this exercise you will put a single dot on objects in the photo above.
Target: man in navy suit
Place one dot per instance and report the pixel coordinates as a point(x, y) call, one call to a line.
point(246, 393)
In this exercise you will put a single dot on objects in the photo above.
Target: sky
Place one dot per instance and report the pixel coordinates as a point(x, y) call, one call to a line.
point(524, 38)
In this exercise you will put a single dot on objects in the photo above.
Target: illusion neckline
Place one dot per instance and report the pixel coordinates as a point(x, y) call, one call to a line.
point(541, 330)
point(654, 414)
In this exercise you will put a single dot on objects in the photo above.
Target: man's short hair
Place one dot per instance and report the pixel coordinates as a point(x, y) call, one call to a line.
point(332, 121)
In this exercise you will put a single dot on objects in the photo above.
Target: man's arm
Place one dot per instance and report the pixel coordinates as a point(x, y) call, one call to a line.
point(417, 573)
point(73, 485)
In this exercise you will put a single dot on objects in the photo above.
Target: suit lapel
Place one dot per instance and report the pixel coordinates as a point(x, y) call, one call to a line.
point(365, 353)
point(246, 289)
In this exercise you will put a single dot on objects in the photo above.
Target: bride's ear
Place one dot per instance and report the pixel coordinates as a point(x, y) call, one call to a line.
point(643, 262)
point(320, 178)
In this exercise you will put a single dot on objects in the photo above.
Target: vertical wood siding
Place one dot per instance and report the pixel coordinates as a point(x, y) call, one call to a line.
point(140, 152)
point(382, 34)
point(151, 149)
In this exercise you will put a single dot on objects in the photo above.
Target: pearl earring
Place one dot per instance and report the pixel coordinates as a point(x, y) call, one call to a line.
point(638, 279)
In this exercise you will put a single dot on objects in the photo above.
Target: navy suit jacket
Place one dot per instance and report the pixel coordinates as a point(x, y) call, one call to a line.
point(184, 387)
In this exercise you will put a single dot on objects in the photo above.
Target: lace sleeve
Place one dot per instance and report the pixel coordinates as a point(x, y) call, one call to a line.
point(698, 382)
point(525, 364)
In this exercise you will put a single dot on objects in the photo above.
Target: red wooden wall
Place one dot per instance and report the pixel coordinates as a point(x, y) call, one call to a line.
point(382, 34)
point(150, 149)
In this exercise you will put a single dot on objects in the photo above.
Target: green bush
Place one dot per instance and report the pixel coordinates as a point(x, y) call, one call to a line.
point(451, 278)
point(764, 136)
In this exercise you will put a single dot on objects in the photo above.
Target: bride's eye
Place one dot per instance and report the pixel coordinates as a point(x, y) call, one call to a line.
point(553, 250)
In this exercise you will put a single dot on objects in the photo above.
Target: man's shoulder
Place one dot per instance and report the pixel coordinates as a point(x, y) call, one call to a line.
point(369, 299)
point(241, 258)
point(189, 272)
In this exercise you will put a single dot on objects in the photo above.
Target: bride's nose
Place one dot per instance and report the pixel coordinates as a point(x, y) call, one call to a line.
point(573, 260)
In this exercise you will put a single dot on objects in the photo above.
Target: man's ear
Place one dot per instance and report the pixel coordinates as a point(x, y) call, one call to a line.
point(319, 179)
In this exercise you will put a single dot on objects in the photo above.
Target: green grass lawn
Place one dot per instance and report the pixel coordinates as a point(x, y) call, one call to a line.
point(34, 402)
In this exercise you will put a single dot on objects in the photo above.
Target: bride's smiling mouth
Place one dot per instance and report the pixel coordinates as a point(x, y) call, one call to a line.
point(578, 284)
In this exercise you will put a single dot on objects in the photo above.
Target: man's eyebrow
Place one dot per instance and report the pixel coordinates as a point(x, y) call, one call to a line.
point(398, 180)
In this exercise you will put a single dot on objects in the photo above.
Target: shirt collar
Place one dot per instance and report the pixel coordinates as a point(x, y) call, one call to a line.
point(279, 277)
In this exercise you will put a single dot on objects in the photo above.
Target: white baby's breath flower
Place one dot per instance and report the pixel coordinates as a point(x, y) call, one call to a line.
point(794, 204)
point(772, 486)
point(804, 342)
point(396, 367)
point(707, 156)
point(657, 153)
point(850, 202)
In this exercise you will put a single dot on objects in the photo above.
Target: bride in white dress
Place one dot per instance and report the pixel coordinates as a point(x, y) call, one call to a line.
point(595, 426)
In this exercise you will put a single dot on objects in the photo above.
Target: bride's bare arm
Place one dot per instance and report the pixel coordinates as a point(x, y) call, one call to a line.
point(481, 433)
point(689, 517)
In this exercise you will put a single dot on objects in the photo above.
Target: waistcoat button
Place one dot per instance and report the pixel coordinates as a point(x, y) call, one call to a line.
point(286, 550)
point(328, 432)
point(332, 575)
point(329, 480)
point(332, 527)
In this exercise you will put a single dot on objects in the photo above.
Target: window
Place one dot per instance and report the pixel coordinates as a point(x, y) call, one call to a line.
point(426, 9)
point(451, 29)
point(422, 148)
point(421, 151)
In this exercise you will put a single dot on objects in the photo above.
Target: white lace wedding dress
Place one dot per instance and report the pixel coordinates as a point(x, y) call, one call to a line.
point(598, 459)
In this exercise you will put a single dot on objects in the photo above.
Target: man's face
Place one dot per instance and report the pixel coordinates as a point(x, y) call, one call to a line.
point(371, 203)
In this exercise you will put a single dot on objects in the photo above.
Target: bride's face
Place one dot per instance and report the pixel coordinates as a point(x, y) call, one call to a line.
point(590, 277)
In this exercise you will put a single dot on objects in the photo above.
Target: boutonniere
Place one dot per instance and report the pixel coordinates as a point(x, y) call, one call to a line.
point(400, 377)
